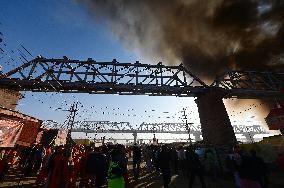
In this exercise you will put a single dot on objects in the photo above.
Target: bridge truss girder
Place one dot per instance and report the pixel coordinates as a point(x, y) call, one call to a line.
point(251, 84)
point(72, 76)
point(125, 127)
point(64, 75)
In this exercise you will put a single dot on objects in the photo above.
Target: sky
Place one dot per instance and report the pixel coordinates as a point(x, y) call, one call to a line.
point(58, 28)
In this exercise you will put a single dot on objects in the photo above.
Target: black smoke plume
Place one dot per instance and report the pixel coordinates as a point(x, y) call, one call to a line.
point(208, 36)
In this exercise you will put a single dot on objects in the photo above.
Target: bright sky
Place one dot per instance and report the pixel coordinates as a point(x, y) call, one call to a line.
point(57, 28)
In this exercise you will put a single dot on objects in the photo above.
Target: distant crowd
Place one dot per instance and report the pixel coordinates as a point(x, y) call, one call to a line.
point(112, 165)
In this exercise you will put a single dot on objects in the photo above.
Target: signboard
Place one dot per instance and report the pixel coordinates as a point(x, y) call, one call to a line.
point(275, 119)
point(9, 132)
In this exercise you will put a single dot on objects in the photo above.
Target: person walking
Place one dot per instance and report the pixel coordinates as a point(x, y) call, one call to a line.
point(174, 159)
point(195, 168)
point(148, 158)
point(58, 169)
point(181, 160)
point(137, 155)
point(115, 171)
point(250, 171)
point(211, 164)
point(43, 173)
point(165, 158)
point(96, 166)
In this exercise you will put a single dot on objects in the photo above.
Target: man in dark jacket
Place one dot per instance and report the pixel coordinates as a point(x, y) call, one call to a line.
point(164, 160)
point(137, 155)
point(96, 167)
point(194, 167)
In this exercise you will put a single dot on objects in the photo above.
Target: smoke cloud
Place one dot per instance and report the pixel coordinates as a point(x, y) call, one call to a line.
point(208, 37)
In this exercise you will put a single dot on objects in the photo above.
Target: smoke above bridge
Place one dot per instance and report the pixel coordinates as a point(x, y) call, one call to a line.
point(209, 37)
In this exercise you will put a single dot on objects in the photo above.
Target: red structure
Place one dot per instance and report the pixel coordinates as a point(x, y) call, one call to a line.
point(26, 132)
point(275, 118)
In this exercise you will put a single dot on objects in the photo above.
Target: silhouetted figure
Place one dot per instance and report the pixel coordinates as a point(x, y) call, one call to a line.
point(252, 171)
point(194, 168)
point(37, 158)
point(148, 158)
point(211, 164)
point(182, 160)
point(122, 161)
point(115, 171)
point(155, 157)
point(164, 160)
point(260, 169)
point(29, 163)
point(58, 169)
point(137, 154)
point(96, 167)
point(174, 160)
point(280, 162)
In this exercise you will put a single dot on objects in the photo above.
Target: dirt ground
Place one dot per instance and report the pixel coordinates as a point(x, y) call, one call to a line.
point(150, 180)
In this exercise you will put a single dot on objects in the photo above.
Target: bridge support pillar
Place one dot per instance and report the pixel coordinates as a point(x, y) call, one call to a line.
point(197, 137)
point(135, 137)
point(216, 127)
point(249, 137)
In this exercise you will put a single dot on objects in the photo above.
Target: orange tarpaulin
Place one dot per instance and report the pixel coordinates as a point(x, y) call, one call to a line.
point(28, 134)
point(9, 132)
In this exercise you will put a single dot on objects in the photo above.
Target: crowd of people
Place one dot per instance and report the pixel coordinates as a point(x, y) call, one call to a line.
point(109, 165)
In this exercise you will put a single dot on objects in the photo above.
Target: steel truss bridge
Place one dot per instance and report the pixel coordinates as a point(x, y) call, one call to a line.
point(125, 127)
point(90, 76)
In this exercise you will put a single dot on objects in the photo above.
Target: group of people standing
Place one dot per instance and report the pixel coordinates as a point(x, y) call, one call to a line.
point(174, 160)
point(86, 166)
point(248, 169)
point(90, 166)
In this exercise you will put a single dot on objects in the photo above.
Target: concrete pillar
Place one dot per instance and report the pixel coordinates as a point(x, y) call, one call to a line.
point(249, 137)
point(197, 137)
point(216, 127)
point(135, 137)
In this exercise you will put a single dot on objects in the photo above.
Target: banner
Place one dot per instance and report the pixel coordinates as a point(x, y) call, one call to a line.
point(9, 132)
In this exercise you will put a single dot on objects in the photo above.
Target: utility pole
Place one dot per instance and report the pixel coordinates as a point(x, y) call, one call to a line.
point(73, 112)
point(186, 125)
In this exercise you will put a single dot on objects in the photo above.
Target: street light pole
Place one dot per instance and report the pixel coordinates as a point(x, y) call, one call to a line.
point(187, 127)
